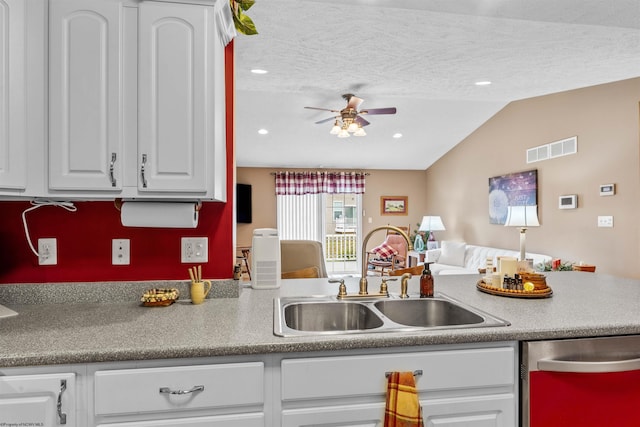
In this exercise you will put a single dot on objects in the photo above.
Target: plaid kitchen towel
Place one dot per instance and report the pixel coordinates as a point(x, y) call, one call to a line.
point(402, 407)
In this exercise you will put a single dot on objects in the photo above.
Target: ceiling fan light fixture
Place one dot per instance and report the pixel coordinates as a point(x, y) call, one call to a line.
point(343, 133)
point(335, 129)
point(352, 127)
point(360, 132)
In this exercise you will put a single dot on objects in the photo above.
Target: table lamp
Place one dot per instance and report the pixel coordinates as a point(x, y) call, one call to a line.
point(523, 217)
point(430, 224)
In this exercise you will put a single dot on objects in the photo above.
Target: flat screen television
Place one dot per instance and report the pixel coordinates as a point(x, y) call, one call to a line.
point(243, 199)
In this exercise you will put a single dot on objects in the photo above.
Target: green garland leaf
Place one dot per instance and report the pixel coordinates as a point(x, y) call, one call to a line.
point(246, 4)
point(242, 22)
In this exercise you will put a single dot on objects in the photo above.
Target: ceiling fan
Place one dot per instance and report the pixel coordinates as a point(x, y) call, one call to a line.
point(350, 120)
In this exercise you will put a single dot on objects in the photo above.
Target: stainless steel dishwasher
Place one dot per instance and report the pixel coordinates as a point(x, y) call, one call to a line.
point(581, 382)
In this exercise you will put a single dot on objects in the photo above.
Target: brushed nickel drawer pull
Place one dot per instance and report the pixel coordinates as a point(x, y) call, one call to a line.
point(167, 390)
point(61, 415)
point(111, 168)
point(144, 179)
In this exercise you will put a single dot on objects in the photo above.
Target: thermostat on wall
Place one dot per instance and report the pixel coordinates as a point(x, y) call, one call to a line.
point(568, 202)
point(607, 189)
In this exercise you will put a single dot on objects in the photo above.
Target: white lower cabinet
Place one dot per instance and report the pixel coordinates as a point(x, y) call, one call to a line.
point(471, 387)
point(38, 400)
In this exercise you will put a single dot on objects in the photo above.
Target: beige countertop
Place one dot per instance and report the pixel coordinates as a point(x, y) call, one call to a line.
point(83, 331)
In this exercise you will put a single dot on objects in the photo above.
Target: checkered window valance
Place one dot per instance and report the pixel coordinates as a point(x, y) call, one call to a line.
point(297, 183)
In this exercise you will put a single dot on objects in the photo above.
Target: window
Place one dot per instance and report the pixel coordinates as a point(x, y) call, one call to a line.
point(332, 219)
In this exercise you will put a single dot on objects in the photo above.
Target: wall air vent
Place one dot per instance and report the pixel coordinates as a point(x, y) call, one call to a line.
point(560, 148)
point(537, 154)
point(564, 147)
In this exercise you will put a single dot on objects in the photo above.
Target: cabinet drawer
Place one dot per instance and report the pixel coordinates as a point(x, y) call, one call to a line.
point(194, 387)
point(365, 375)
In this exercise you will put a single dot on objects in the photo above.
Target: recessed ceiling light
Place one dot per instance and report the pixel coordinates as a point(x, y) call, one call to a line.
point(397, 135)
point(483, 83)
point(263, 131)
point(259, 71)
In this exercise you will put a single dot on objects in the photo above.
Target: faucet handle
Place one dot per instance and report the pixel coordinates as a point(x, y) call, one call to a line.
point(342, 289)
point(383, 285)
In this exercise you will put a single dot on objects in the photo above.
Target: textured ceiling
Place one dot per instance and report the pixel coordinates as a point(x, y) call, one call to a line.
point(421, 56)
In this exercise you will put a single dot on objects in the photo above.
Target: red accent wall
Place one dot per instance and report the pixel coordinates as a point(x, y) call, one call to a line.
point(84, 237)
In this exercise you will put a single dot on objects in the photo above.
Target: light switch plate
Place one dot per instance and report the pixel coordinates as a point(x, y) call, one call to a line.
point(605, 221)
point(120, 252)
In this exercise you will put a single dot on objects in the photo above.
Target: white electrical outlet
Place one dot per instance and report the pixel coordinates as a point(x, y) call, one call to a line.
point(194, 249)
point(605, 221)
point(47, 251)
point(120, 252)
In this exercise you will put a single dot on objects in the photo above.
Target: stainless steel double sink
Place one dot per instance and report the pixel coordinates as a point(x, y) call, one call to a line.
point(326, 315)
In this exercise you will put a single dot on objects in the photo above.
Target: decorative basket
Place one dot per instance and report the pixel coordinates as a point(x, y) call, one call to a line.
point(159, 297)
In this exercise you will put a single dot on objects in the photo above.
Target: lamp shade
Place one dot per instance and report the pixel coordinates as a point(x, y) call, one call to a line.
point(431, 223)
point(522, 216)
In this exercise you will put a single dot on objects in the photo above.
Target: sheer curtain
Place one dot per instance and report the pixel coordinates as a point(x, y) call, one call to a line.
point(300, 217)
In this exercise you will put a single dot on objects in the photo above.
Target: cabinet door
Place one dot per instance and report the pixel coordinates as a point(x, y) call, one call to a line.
point(85, 95)
point(175, 48)
point(38, 400)
point(475, 411)
point(13, 143)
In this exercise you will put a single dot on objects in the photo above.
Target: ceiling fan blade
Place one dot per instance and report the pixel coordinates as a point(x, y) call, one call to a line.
point(322, 109)
point(390, 110)
point(362, 122)
point(353, 102)
point(325, 120)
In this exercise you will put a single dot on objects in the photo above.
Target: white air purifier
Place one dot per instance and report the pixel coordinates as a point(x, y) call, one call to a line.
point(265, 259)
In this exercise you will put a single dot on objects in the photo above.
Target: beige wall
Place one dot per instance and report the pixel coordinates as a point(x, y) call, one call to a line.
point(379, 183)
point(605, 120)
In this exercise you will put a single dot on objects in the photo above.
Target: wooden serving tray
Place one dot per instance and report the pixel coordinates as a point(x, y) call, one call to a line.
point(536, 293)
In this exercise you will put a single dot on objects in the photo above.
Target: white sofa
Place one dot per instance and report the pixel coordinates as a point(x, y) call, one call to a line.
point(460, 258)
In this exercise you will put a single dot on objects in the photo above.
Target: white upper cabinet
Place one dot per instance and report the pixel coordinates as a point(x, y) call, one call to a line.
point(86, 95)
point(173, 109)
point(137, 101)
point(13, 95)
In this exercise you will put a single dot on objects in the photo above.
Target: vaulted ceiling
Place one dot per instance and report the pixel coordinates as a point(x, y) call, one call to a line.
point(423, 57)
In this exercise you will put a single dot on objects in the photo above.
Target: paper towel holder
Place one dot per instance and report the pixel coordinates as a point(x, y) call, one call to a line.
point(118, 203)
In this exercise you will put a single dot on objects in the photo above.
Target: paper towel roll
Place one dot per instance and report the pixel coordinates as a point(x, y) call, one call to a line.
point(159, 214)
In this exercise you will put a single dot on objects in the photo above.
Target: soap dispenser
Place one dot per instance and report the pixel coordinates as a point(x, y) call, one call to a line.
point(426, 282)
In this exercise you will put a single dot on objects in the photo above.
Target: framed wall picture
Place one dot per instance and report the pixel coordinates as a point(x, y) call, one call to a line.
point(514, 189)
point(394, 205)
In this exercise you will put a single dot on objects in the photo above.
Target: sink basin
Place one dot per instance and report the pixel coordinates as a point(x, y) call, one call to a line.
point(325, 315)
point(330, 316)
point(427, 312)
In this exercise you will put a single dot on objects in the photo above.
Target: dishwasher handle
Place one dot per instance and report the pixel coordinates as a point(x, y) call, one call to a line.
point(552, 365)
